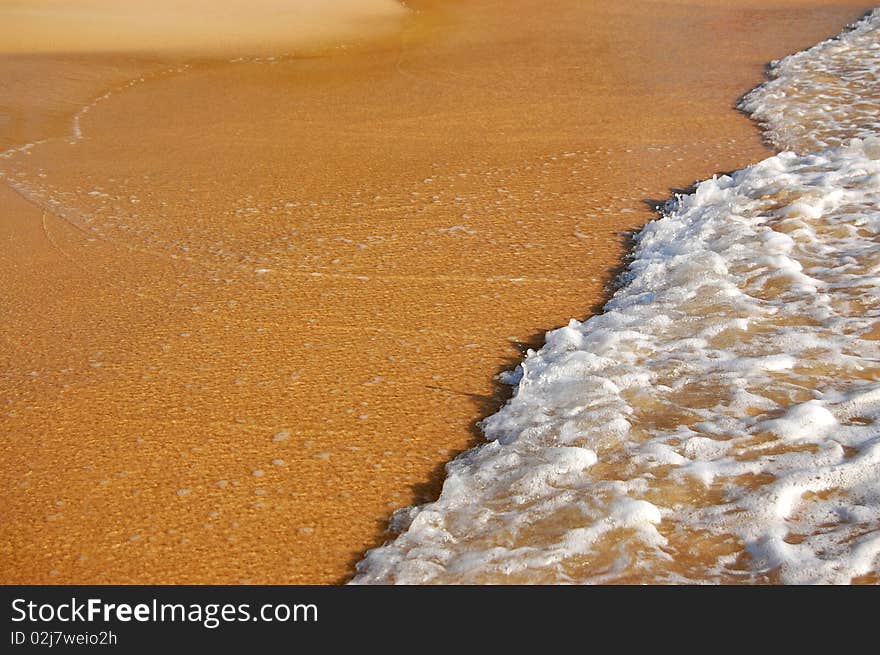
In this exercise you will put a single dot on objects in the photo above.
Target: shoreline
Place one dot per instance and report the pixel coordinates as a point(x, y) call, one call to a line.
point(295, 534)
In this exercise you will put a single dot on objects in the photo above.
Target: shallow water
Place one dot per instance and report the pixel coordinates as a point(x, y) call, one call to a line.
point(717, 422)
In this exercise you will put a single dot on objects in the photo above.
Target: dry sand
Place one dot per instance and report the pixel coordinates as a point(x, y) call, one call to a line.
point(192, 26)
point(271, 298)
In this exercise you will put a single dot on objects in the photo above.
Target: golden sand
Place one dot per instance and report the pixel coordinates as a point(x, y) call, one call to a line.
point(191, 26)
point(271, 298)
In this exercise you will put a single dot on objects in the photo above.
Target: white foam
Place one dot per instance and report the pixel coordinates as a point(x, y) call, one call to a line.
point(719, 420)
point(823, 96)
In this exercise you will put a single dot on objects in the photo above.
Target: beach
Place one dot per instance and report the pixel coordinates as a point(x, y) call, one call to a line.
point(254, 303)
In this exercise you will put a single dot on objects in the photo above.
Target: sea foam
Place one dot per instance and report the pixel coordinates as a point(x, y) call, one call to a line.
point(824, 96)
point(718, 421)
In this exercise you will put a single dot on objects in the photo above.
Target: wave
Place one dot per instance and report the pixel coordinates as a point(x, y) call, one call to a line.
point(718, 421)
point(824, 96)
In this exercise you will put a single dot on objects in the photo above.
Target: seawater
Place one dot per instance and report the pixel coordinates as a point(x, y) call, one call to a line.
point(718, 421)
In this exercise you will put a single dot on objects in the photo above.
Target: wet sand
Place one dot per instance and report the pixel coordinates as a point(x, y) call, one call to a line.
point(256, 306)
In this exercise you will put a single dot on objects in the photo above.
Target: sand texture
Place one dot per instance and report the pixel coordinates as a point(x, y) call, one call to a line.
point(249, 308)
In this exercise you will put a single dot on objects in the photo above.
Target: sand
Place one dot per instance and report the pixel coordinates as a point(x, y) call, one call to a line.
point(274, 296)
point(204, 27)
